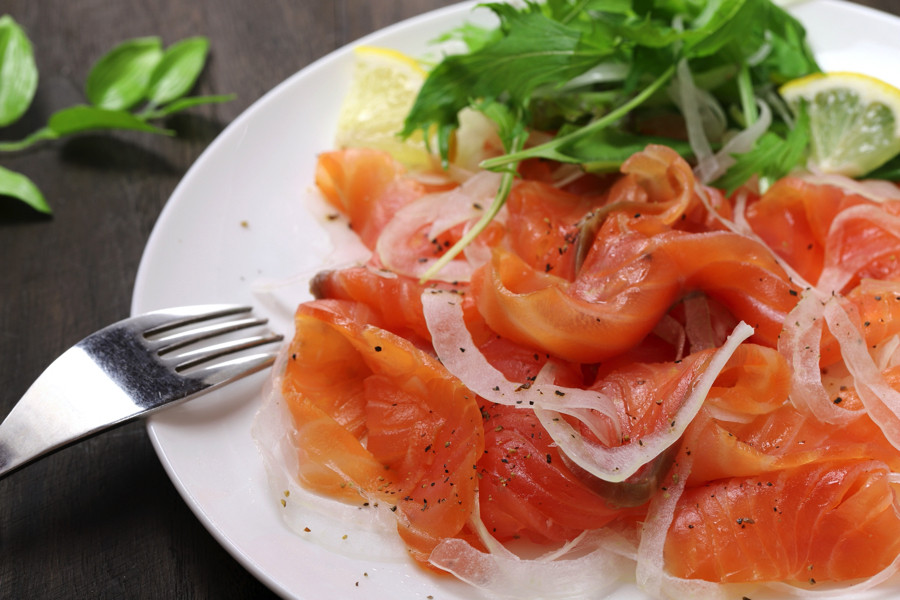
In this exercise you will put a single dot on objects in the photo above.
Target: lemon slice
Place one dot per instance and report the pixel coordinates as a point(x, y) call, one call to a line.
point(383, 88)
point(854, 120)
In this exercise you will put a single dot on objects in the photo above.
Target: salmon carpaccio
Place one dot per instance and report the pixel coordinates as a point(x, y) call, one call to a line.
point(594, 338)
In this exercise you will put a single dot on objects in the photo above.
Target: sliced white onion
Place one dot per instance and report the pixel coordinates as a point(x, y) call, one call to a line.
point(740, 226)
point(588, 567)
point(688, 98)
point(876, 190)
point(715, 165)
point(651, 571)
point(439, 212)
point(839, 270)
point(882, 402)
point(800, 342)
point(346, 529)
point(617, 463)
point(457, 351)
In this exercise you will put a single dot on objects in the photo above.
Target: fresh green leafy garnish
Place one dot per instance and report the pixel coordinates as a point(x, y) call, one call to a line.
point(120, 79)
point(600, 73)
point(132, 85)
point(18, 73)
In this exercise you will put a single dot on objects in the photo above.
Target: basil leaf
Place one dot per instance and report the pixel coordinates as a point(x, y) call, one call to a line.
point(16, 185)
point(119, 79)
point(184, 104)
point(178, 70)
point(81, 118)
point(18, 73)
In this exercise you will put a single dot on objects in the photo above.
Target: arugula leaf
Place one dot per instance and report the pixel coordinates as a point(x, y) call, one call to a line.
point(18, 72)
point(177, 71)
point(119, 80)
point(18, 186)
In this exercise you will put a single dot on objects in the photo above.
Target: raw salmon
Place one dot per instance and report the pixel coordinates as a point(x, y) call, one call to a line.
point(347, 381)
point(611, 297)
point(824, 521)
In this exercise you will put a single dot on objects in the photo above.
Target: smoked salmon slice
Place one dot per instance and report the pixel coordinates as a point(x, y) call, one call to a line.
point(818, 522)
point(496, 404)
point(379, 420)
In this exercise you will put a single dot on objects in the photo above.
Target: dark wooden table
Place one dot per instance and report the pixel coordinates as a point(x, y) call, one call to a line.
point(101, 519)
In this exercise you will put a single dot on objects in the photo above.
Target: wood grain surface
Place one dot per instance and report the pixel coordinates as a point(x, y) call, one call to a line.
point(101, 519)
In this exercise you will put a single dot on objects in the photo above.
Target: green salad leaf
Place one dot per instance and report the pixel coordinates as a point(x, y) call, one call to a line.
point(598, 73)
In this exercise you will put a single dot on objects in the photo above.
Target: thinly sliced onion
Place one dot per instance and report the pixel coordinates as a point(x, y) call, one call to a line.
point(862, 590)
point(587, 567)
point(715, 165)
point(740, 226)
point(345, 529)
point(876, 190)
point(688, 98)
point(438, 212)
point(458, 353)
point(651, 572)
point(840, 270)
point(882, 402)
point(618, 463)
point(800, 342)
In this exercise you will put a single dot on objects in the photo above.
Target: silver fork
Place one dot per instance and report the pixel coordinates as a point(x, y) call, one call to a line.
point(129, 369)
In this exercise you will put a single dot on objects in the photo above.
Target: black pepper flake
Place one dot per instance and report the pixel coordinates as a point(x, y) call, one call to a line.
point(377, 348)
point(549, 459)
point(792, 292)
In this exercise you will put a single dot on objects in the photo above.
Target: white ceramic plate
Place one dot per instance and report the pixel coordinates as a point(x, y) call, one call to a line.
point(238, 220)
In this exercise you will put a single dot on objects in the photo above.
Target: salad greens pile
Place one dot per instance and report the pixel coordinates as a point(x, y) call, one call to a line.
point(607, 77)
point(135, 83)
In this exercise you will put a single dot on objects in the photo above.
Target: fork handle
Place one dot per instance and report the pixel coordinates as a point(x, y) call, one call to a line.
point(46, 418)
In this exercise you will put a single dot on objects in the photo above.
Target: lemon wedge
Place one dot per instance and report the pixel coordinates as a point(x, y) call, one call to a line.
point(383, 88)
point(854, 120)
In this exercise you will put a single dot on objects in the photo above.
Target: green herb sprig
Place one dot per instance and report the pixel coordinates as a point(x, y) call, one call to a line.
point(596, 72)
point(135, 83)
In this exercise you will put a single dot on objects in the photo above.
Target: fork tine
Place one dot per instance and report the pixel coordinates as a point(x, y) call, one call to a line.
point(235, 368)
point(116, 375)
point(161, 321)
point(176, 341)
point(193, 358)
